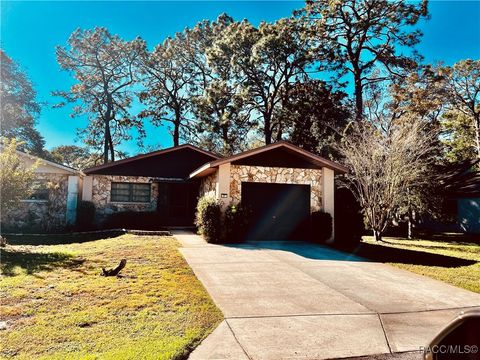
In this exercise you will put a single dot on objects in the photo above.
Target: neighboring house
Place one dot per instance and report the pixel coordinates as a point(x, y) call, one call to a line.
point(281, 183)
point(52, 204)
point(462, 188)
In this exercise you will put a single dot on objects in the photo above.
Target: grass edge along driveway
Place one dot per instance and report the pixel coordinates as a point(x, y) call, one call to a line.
point(454, 262)
point(56, 305)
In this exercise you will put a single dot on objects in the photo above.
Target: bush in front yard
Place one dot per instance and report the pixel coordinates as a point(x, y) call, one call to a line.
point(134, 220)
point(321, 226)
point(85, 215)
point(208, 219)
point(237, 221)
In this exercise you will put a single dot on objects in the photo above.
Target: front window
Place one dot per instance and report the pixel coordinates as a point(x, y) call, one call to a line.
point(39, 191)
point(130, 192)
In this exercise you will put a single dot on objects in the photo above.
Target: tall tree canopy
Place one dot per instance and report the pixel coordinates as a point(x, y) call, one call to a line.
point(316, 116)
point(75, 156)
point(220, 105)
point(266, 61)
point(19, 107)
point(167, 80)
point(463, 89)
point(105, 68)
point(367, 39)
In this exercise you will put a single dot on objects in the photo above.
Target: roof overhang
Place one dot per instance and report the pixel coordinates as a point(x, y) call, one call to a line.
point(147, 155)
point(316, 160)
point(50, 163)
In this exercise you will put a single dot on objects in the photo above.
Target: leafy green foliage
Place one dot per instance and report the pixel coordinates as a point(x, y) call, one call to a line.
point(236, 223)
point(315, 116)
point(15, 178)
point(74, 156)
point(362, 39)
point(104, 67)
point(322, 226)
point(19, 107)
point(208, 219)
point(85, 215)
point(134, 220)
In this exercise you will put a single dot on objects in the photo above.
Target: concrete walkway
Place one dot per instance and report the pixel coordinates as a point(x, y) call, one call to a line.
point(286, 300)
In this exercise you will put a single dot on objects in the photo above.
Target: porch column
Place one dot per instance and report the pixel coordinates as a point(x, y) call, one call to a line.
point(87, 188)
point(328, 191)
point(72, 199)
point(223, 186)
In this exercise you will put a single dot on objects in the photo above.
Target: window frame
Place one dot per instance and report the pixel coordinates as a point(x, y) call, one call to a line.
point(38, 186)
point(131, 196)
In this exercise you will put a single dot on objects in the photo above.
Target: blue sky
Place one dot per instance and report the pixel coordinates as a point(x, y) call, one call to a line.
point(31, 30)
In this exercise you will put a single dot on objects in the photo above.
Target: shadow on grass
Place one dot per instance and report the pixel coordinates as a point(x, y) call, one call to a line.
point(60, 239)
point(33, 262)
point(359, 252)
point(381, 253)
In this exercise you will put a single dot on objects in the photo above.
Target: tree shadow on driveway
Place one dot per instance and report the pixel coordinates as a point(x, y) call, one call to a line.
point(362, 252)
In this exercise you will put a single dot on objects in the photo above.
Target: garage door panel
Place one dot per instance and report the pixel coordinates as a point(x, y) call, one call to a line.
point(280, 211)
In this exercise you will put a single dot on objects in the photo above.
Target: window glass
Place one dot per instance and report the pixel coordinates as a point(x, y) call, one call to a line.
point(39, 191)
point(130, 192)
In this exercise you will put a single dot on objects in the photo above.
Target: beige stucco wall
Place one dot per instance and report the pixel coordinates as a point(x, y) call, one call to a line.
point(98, 191)
point(41, 215)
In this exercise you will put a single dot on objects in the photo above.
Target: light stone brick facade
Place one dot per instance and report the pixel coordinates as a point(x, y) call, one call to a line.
point(276, 175)
point(263, 174)
point(101, 190)
point(208, 185)
point(41, 215)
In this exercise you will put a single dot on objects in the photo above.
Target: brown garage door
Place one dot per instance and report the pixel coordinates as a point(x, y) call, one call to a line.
point(279, 211)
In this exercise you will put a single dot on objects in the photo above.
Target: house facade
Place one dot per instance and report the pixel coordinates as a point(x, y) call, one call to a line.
point(281, 183)
point(52, 204)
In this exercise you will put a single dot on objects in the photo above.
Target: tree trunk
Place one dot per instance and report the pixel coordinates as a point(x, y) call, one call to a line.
point(358, 97)
point(377, 235)
point(176, 129)
point(477, 134)
point(267, 130)
point(110, 143)
point(409, 229)
point(105, 143)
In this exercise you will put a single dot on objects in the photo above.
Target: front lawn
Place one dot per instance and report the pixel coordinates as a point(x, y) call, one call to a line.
point(57, 306)
point(455, 262)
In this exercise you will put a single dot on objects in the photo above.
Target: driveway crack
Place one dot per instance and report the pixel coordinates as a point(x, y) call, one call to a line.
point(236, 339)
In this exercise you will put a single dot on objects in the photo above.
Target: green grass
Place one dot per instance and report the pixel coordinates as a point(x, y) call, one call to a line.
point(454, 262)
point(57, 306)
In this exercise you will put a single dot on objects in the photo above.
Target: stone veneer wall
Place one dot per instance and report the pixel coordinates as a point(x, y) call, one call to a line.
point(208, 185)
point(41, 215)
point(101, 188)
point(312, 177)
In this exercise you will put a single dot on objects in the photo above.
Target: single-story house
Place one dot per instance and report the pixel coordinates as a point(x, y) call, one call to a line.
point(280, 182)
point(52, 203)
point(461, 188)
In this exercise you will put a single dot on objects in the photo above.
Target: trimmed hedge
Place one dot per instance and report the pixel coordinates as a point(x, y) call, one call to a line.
point(321, 226)
point(237, 222)
point(136, 220)
point(208, 219)
point(85, 215)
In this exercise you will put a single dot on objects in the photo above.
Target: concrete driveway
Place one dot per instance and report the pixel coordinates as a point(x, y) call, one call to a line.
point(286, 300)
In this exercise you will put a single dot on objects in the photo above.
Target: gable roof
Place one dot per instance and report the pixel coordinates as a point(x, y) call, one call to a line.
point(139, 167)
point(48, 162)
point(315, 160)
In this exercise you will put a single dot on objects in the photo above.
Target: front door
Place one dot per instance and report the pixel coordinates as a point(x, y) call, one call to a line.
point(176, 202)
